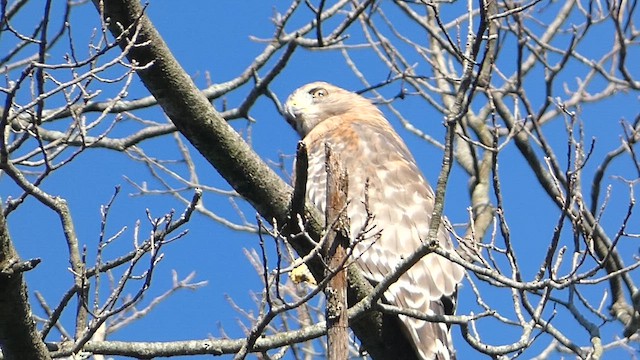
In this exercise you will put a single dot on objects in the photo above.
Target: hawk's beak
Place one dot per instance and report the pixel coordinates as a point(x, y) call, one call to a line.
point(291, 113)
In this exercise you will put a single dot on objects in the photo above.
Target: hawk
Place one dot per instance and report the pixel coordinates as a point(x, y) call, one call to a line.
point(399, 203)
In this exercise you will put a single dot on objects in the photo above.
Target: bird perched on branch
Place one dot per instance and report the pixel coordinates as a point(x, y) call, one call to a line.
point(390, 205)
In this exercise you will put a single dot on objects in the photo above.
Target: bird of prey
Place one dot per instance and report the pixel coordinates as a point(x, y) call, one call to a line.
point(397, 204)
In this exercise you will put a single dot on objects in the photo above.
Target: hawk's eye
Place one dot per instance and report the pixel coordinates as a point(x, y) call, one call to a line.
point(318, 92)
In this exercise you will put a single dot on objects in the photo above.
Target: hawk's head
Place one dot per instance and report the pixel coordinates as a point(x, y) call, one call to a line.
point(315, 102)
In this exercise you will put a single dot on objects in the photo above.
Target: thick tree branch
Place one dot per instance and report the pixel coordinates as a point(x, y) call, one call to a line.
point(19, 338)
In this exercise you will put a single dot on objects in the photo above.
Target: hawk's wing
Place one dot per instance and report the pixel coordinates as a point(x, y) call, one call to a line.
point(401, 202)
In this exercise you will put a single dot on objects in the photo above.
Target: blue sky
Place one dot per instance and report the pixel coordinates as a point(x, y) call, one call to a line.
point(214, 37)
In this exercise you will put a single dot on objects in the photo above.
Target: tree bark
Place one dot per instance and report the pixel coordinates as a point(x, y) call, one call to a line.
point(19, 338)
point(335, 253)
